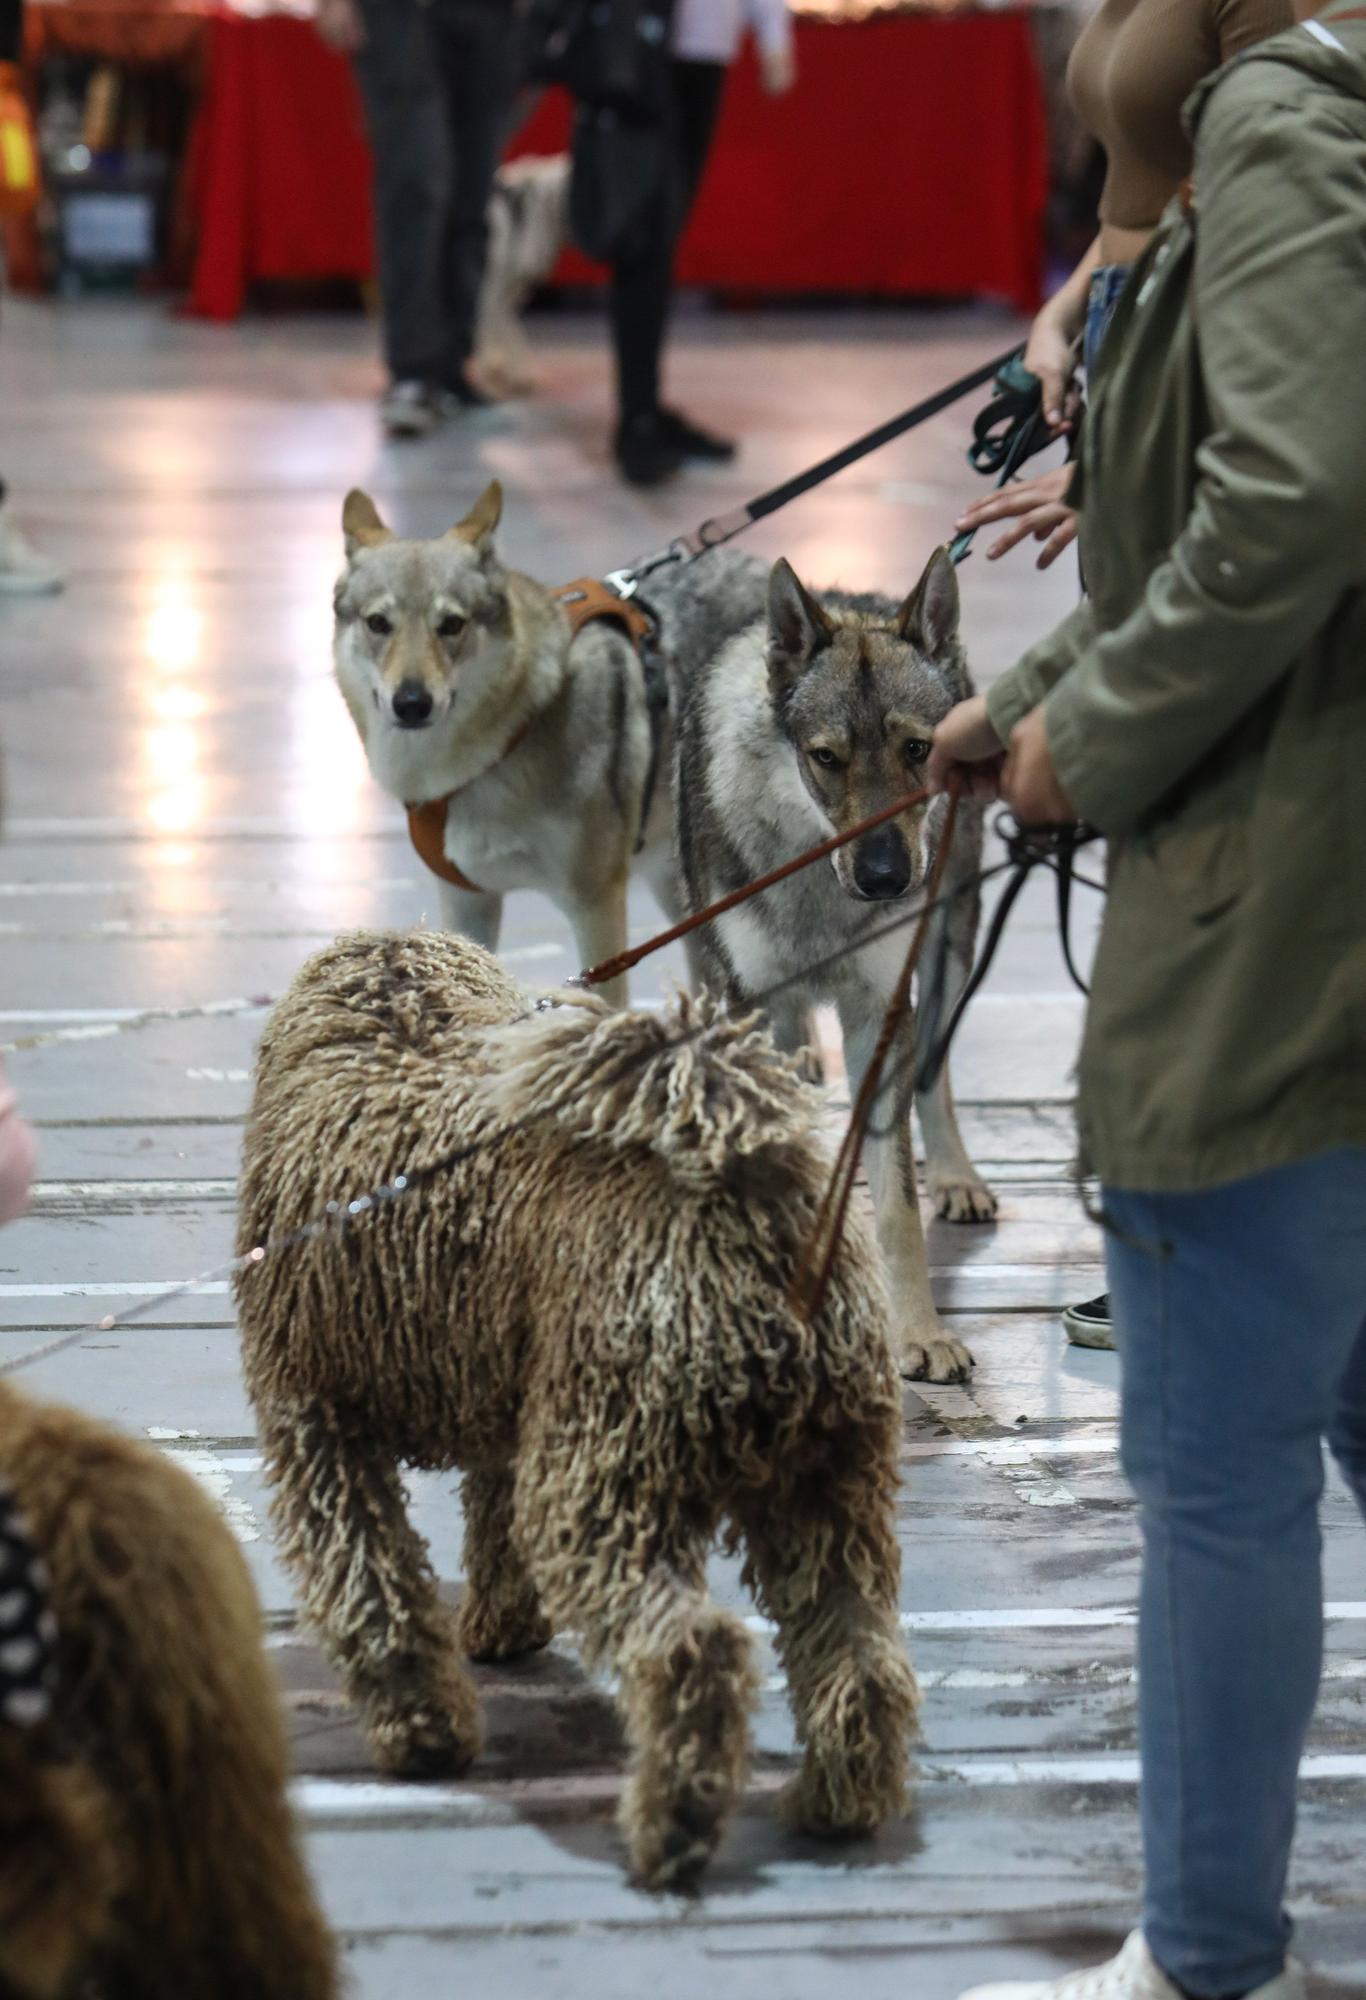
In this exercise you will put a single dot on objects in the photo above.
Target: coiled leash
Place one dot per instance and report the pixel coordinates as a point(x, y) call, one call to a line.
point(1027, 848)
point(1009, 430)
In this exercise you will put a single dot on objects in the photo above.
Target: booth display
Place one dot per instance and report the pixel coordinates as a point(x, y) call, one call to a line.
point(911, 160)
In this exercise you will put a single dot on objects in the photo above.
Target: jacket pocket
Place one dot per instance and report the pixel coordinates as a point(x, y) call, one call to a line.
point(1204, 869)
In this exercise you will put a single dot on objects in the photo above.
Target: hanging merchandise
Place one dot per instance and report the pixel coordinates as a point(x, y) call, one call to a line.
point(18, 154)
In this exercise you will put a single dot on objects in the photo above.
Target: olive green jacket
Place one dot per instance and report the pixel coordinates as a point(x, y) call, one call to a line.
point(1206, 706)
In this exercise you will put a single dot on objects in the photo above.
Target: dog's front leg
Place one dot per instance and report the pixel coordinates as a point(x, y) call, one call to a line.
point(600, 932)
point(957, 1189)
point(926, 1351)
point(477, 917)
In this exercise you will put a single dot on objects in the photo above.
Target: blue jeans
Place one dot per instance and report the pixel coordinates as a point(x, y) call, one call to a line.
point(1240, 1317)
point(1107, 282)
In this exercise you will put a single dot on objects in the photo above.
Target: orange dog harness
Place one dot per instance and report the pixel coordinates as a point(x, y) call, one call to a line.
point(584, 602)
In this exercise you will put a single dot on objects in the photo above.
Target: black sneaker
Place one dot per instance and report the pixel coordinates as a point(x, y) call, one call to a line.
point(694, 442)
point(409, 409)
point(1089, 1324)
point(647, 451)
point(461, 394)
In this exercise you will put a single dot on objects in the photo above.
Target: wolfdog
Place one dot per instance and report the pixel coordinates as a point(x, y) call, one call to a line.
point(467, 684)
point(797, 727)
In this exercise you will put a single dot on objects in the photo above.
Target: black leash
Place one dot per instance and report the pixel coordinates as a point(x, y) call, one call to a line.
point(1027, 848)
point(1009, 430)
point(713, 534)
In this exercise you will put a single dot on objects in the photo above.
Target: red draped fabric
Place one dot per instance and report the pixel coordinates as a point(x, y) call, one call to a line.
point(910, 161)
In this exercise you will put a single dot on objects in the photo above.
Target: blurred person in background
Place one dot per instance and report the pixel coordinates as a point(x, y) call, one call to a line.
point(652, 441)
point(1134, 65)
point(23, 571)
point(437, 80)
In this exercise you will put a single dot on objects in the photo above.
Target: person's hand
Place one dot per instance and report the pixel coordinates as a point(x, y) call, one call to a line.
point(778, 68)
point(967, 747)
point(1038, 508)
point(341, 26)
point(1052, 356)
point(1030, 785)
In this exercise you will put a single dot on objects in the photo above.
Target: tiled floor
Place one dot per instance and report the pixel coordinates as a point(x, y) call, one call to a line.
point(189, 816)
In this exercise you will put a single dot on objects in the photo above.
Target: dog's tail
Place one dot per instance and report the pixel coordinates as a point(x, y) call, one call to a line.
point(705, 1091)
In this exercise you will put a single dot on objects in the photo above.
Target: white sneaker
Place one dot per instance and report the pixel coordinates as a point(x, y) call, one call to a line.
point(1134, 1975)
point(23, 572)
point(408, 409)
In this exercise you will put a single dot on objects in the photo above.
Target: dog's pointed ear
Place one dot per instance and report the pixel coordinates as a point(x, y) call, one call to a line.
point(361, 523)
point(929, 617)
point(797, 626)
point(481, 523)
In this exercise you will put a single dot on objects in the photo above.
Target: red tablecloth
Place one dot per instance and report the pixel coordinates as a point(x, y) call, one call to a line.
point(279, 171)
point(910, 161)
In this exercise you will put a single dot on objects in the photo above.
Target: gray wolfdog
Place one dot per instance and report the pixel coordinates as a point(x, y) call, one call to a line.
point(796, 725)
point(466, 684)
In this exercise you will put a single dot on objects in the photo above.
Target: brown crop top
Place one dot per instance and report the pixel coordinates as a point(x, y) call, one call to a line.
point(1135, 64)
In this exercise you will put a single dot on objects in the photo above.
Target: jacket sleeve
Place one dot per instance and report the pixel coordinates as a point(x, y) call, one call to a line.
point(1011, 698)
point(1274, 537)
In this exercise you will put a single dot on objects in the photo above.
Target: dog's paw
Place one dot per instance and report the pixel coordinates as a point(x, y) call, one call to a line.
point(427, 1739)
point(962, 1198)
point(941, 1360)
point(503, 1632)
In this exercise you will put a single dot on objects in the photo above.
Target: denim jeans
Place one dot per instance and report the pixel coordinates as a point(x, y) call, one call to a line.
point(1107, 282)
point(1240, 1318)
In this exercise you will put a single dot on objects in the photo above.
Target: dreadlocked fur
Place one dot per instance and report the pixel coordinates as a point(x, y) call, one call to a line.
point(589, 1315)
point(146, 1842)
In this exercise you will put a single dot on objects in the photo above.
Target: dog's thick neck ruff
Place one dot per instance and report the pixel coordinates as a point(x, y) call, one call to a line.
point(583, 602)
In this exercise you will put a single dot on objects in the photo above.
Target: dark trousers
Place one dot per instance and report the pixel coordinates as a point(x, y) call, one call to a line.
point(436, 76)
point(643, 282)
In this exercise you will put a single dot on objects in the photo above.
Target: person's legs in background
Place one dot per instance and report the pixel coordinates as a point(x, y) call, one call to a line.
point(1241, 1321)
point(405, 113)
point(474, 41)
point(652, 441)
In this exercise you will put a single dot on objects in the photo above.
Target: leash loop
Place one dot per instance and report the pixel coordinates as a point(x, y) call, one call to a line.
point(1009, 430)
point(1027, 848)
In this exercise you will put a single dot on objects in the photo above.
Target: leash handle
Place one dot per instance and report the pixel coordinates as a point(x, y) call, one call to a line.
point(613, 968)
point(1005, 451)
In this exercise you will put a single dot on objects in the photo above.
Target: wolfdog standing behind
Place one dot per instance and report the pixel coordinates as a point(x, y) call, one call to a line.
point(795, 727)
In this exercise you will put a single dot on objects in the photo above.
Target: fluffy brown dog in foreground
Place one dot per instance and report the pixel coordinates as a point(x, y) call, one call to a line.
point(590, 1317)
point(147, 1850)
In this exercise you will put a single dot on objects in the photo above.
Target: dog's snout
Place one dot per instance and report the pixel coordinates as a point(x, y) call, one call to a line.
point(882, 865)
point(412, 704)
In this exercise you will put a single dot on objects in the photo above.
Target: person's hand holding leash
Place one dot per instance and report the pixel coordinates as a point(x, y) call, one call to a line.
point(1030, 785)
point(965, 743)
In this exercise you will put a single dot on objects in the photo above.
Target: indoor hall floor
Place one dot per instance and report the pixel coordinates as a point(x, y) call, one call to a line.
point(189, 816)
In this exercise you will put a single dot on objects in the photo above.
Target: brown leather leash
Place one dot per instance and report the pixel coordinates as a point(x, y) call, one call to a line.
point(613, 968)
point(813, 1273)
point(818, 1261)
point(584, 602)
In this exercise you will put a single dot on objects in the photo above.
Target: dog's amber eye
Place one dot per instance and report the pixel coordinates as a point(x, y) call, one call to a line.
point(827, 759)
point(451, 626)
point(379, 624)
point(915, 750)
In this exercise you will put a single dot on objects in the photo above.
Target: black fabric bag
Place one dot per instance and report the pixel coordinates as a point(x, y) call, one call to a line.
point(618, 163)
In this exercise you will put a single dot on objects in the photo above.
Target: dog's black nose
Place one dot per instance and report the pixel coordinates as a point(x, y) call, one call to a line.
point(882, 865)
point(412, 704)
